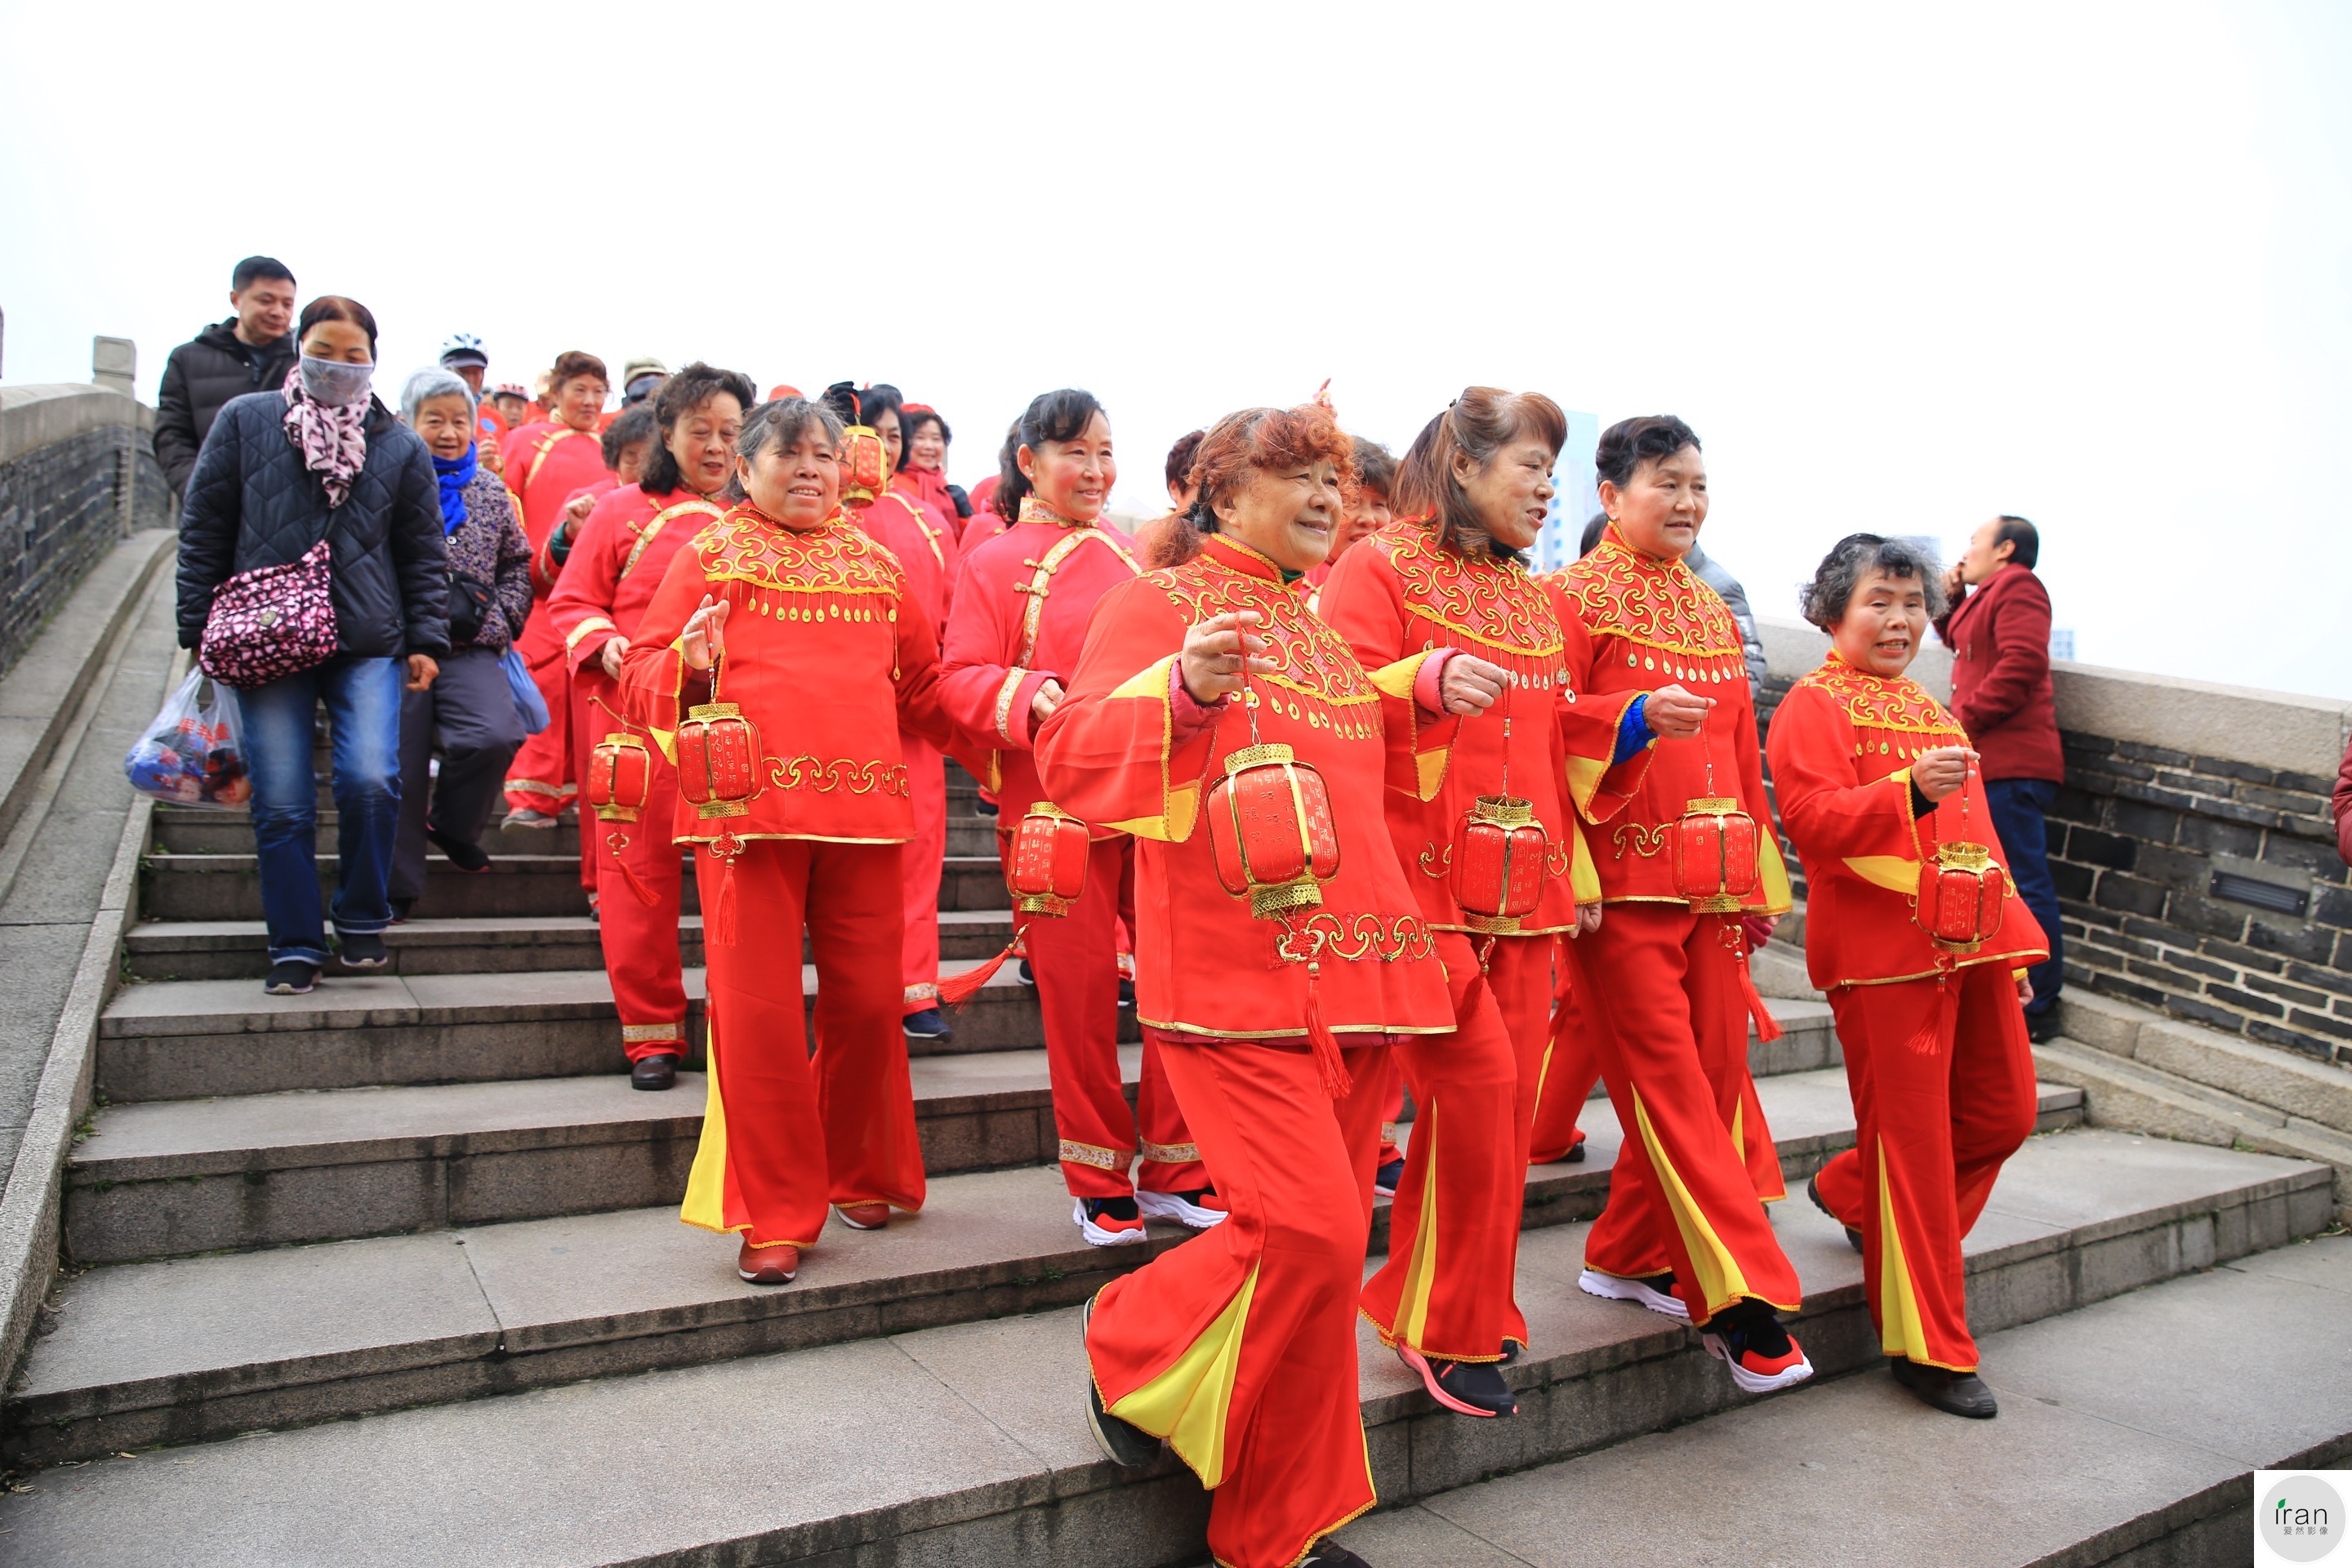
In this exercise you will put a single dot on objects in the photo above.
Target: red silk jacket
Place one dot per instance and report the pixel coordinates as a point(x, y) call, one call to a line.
point(1128, 748)
point(1843, 743)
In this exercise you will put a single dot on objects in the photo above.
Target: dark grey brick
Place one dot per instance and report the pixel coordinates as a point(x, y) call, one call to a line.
point(2279, 988)
point(2171, 980)
point(2333, 979)
point(2089, 915)
point(2107, 770)
point(2147, 996)
point(2272, 1035)
point(2294, 801)
point(2303, 1018)
point(2155, 932)
point(2245, 1001)
point(60, 510)
point(2083, 740)
point(2094, 848)
point(2207, 917)
point(2076, 806)
point(2129, 894)
point(2204, 1013)
point(2332, 906)
point(2320, 859)
point(2243, 957)
point(2251, 816)
point(2216, 837)
point(2310, 784)
point(2175, 867)
point(2222, 767)
point(2140, 753)
point(2204, 966)
point(2313, 944)
point(2140, 820)
point(2074, 881)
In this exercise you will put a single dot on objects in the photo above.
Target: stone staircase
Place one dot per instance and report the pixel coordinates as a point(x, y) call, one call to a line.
point(392, 1274)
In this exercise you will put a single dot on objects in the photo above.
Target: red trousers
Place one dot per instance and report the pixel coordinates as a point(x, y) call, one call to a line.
point(590, 724)
point(1239, 1347)
point(541, 777)
point(1670, 1018)
point(926, 784)
point(1453, 1227)
point(1571, 1066)
point(1075, 960)
point(640, 938)
point(785, 1133)
point(1933, 1128)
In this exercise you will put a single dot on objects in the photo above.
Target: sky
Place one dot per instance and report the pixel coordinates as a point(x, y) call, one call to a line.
point(1902, 267)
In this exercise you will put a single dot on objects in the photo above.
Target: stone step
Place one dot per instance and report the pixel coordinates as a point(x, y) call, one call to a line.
point(174, 1040)
point(2125, 1433)
point(175, 1177)
point(231, 950)
point(804, 1456)
point(2124, 1093)
point(2292, 1085)
point(598, 1295)
point(228, 886)
point(190, 830)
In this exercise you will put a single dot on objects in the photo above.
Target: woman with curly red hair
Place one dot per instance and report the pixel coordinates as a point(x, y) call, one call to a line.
point(1239, 1349)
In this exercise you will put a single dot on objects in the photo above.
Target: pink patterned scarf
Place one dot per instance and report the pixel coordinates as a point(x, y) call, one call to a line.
point(332, 441)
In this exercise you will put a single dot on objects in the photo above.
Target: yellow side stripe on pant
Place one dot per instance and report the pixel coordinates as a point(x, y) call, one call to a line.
point(1719, 1277)
point(705, 1186)
point(1421, 1271)
point(1900, 1331)
point(1188, 1403)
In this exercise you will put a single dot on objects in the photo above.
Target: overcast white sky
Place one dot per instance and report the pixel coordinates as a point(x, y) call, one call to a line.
point(1901, 267)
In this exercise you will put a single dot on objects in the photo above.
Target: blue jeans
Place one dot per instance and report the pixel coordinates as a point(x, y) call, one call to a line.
point(363, 698)
point(2017, 807)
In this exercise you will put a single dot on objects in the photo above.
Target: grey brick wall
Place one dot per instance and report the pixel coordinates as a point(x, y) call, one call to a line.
point(2136, 838)
point(61, 506)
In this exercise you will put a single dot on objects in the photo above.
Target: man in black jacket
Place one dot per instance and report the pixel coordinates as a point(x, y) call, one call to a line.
point(250, 352)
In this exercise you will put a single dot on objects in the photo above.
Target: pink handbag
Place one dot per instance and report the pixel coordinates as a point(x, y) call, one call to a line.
point(270, 623)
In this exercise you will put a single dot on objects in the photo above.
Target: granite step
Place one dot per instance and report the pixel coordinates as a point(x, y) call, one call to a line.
point(641, 1291)
point(181, 1176)
point(185, 830)
point(801, 1456)
point(493, 944)
point(172, 1040)
point(228, 886)
point(2123, 1438)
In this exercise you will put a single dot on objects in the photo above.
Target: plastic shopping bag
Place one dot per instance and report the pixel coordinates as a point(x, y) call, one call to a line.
point(194, 753)
point(527, 702)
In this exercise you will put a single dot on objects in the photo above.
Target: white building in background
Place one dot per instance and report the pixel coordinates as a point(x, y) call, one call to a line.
point(1578, 497)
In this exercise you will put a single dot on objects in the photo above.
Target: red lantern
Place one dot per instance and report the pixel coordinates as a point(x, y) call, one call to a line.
point(864, 465)
point(1499, 853)
point(1715, 856)
point(1962, 894)
point(1049, 861)
point(719, 760)
point(1271, 831)
point(620, 776)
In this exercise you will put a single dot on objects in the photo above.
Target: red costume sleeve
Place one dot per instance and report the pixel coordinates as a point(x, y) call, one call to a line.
point(581, 604)
point(1108, 754)
point(1831, 814)
point(2021, 659)
point(1589, 726)
point(654, 673)
point(982, 693)
point(917, 675)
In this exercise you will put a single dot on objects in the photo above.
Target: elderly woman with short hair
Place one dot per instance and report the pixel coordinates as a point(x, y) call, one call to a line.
point(469, 711)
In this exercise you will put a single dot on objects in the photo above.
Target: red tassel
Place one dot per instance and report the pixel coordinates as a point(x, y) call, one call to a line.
point(614, 841)
point(955, 990)
point(1767, 1027)
point(722, 919)
point(1328, 1063)
point(1929, 1039)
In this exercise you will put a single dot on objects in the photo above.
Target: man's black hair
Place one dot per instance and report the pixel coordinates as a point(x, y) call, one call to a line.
point(2020, 534)
point(253, 269)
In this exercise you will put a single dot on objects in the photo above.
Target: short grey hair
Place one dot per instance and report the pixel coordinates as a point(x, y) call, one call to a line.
point(1855, 557)
point(781, 423)
point(428, 383)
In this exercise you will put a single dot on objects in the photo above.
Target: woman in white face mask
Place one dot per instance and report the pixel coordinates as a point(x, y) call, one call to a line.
point(321, 462)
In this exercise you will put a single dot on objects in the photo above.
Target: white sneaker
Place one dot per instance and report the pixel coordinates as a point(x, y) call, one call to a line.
point(1178, 1207)
point(1611, 1287)
point(1110, 1231)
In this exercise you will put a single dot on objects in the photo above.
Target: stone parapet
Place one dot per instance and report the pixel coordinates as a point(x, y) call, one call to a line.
point(2192, 845)
point(77, 473)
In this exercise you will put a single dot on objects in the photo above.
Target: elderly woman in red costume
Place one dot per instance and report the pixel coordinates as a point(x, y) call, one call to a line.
point(922, 471)
point(547, 463)
point(1663, 979)
point(1452, 573)
point(1013, 639)
point(785, 616)
point(1879, 796)
point(1239, 1348)
point(925, 545)
point(622, 555)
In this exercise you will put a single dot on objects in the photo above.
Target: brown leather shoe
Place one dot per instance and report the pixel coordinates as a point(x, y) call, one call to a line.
point(768, 1264)
point(863, 1216)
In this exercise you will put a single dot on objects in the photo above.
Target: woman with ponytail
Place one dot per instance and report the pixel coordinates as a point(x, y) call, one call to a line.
point(1022, 606)
point(622, 554)
point(1239, 1348)
point(784, 614)
point(1451, 571)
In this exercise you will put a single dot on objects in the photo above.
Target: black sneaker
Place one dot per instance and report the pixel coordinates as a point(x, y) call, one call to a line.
point(1385, 1179)
point(463, 856)
point(1122, 1442)
point(930, 1024)
point(364, 951)
point(1028, 976)
point(983, 807)
point(400, 908)
point(1125, 994)
point(2042, 1027)
point(1813, 1191)
point(1465, 1387)
point(1762, 1356)
point(1511, 1349)
point(1575, 1155)
point(1960, 1393)
point(1331, 1554)
point(656, 1071)
point(290, 977)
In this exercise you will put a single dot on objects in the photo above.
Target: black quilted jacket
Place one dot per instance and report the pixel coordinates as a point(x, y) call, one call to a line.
point(199, 379)
point(251, 502)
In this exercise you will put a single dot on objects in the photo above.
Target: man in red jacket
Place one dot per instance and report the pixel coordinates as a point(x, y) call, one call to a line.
point(1999, 631)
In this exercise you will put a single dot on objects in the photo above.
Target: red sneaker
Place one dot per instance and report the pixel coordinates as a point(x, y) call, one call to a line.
point(863, 1216)
point(1109, 1221)
point(768, 1264)
point(1761, 1354)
